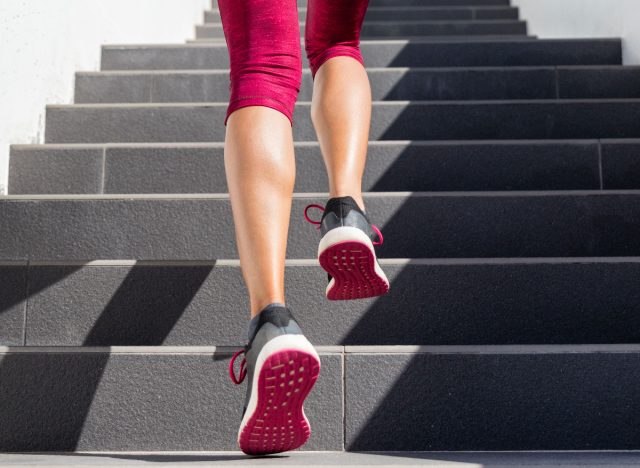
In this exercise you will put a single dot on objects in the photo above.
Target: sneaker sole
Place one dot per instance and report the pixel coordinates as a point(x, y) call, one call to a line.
point(275, 420)
point(348, 255)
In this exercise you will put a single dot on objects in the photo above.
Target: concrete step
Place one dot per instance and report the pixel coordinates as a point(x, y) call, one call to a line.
point(386, 53)
point(415, 13)
point(430, 302)
point(431, 3)
point(435, 398)
point(326, 459)
point(414, 225)
point(391, 166)
point(474, 83)
point(408, 28)
point(391, 120)
point(483, 37)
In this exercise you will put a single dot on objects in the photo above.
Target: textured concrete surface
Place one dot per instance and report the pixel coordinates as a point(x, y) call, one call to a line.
point(391, 166)
point(418, 225)
point(391, 120)
point(429, 303)
point(415, 28)
point(13, 283)
point(56, 170)
point(620, 164)
point(400, 53)
point(413, 13)
point(351, 459)
point(386, 84)
point(74, 401)
point(468, 401)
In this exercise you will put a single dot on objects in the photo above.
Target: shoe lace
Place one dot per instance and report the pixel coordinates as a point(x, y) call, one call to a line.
point(315, 205)
point(243, 367)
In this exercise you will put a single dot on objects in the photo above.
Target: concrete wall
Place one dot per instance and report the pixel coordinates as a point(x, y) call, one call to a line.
point(44, 42)
point(586, 18)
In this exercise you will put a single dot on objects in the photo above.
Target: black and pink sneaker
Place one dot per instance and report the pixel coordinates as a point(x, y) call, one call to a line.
point(282, 366)
point(346, 250)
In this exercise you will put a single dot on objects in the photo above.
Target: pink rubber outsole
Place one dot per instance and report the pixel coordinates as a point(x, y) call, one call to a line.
point(278, 424)
point(351, 264)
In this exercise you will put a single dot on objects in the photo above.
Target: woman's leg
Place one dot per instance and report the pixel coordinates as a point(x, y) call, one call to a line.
point(341, 106)
point(263, 37)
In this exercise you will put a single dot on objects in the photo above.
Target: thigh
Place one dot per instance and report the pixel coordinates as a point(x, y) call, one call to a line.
point(261, 35)
point(334, 21)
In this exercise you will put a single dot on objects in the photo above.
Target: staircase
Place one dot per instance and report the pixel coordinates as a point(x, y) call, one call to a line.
point(503, 170)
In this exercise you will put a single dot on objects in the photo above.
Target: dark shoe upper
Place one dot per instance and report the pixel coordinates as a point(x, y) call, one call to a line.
point(344, 211)
point(272, 321)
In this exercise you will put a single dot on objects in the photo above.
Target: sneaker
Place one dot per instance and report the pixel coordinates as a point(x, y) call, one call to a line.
point(282, 366)
point(346, 250)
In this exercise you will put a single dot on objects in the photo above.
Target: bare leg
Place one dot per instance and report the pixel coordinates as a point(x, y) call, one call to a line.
point(341, 115)
point(260, 170)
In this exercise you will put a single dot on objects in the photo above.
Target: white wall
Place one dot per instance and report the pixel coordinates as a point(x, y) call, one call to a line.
point(44, 42)
point(586, 18)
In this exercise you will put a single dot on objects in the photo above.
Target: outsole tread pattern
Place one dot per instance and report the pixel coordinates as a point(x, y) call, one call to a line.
point(352, 266)
point(278, 423)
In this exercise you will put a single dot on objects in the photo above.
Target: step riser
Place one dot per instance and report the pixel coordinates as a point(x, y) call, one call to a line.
point(414, 14)
point(492, 402)
point(390, 167)
point(392, 84)
point(388, 54)
point(430, 226)
point(386, 29)
point(471, 303)
point(430, 3)
point(97, 401)
point(420, 120)
point(93, 401)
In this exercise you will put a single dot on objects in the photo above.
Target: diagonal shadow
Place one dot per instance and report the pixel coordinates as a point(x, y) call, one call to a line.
point(46, 396)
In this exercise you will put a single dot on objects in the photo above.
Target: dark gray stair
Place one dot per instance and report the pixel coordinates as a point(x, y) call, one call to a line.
point(503, 171)
point(387, 84)
point(149, 459)
point(540, 397)
point(416, 13)
point(408, 28)
point(430, 302)
point(387, 53)
point(391, 166)
point(414, 225)
point(391, 120)
point(424, 3)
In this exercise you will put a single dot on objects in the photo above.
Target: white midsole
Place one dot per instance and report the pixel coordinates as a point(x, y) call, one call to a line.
point(297, 342)
point(348, 233)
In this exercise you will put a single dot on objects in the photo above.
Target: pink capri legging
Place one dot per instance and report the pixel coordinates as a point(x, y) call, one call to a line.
point(263, 38)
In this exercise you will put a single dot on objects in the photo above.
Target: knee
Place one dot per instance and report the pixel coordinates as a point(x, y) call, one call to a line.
point(319, 53)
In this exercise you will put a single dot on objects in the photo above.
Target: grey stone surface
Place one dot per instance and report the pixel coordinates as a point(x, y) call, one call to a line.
point(350, 459)
point(597, 82)
point(13, 294)
point(467, 401)
point(386, 84)
point(165, 170)
point(137, 88)
point(55, 170)
point(621, 164)
point(413, 13)
point(449, 3)
point(393, 120)
point(411, 53)
point(197, 227)
point(391, 166)
point(415, 28)
point(100, 401)
point(429, 303)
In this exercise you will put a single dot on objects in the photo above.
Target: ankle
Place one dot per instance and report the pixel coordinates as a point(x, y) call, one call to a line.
point(356, 196)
